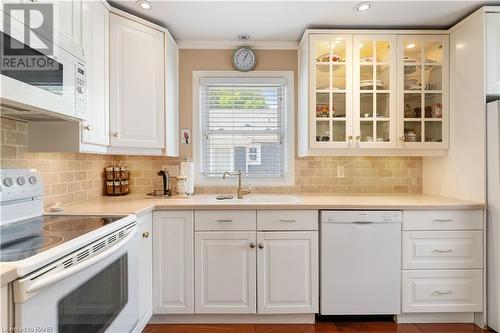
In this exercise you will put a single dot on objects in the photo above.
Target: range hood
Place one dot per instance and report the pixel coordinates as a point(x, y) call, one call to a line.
point(20, 114)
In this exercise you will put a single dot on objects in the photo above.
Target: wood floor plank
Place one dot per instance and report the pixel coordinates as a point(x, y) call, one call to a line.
point(321, 327)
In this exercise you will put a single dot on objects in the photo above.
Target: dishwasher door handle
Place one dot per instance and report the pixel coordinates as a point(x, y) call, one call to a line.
point(362, 222)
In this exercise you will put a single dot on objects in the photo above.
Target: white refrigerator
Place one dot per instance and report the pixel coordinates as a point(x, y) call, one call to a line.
point(493, 224)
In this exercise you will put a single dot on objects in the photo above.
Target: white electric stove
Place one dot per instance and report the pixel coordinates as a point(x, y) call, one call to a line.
point(76, 272)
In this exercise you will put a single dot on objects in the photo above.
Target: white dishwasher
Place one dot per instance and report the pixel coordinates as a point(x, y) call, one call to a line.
point(360, 262)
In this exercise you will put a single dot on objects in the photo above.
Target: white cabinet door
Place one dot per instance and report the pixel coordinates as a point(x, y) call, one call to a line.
point(375, 91)
point(330, 68)
point(95, 32)
point(137, 94)
point(173, 262)
point(225, 280)
point(287, 268)
point(423, 91)
point(145, 223)
point(67, 23)
point(492, 52)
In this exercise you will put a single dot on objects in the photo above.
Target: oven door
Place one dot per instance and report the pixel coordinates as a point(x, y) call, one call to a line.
point(40, 83)
point(101, 297)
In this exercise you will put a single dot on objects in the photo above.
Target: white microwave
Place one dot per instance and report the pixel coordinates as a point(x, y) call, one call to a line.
point(43, 93)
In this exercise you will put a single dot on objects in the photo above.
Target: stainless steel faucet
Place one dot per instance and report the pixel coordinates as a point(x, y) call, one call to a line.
point(241, 191)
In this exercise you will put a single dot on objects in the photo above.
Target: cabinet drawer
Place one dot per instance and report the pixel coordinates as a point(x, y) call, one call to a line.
point(287, 220)
point(442, 291)
point(442, 249)
point(443, 220)
point(225, 220)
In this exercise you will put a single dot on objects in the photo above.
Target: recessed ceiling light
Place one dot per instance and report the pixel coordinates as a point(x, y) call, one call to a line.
point(144, 4)
point(244, 37)
point(363, 6)
point(410, 46)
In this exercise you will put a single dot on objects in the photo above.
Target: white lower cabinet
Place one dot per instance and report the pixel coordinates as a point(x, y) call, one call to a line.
point(225, 269)
point(443, 255)
point(287, 272)
point(145, 228)
point(442, 291)
point(173, 262)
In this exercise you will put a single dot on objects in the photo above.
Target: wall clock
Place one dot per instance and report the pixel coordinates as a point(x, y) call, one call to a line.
point(244, 59)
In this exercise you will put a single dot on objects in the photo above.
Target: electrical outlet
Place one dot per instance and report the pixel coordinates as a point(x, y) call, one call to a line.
point(340, 171)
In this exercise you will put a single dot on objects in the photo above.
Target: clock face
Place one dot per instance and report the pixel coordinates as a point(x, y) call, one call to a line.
point(244, 60)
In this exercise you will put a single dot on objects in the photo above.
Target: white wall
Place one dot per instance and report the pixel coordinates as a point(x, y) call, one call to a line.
point(462, 172)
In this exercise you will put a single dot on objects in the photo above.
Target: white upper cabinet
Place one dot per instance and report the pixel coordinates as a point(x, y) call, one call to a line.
point(137, 84)
point(492, 53)
point(423, 91)
point(382, 94)
point(95, 128)
point(375, 91)
point(67, 26)
point(330, 91)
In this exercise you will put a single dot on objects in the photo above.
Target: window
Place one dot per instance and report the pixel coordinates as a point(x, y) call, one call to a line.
point(245, 125)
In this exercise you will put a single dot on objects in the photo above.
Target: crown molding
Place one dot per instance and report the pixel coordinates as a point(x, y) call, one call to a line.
point(257, 45)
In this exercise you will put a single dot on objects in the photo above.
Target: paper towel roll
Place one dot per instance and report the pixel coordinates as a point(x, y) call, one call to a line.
point(188, 169)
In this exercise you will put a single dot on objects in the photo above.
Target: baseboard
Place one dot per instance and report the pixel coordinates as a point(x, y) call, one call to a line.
point(304, 318)
point(418, 318)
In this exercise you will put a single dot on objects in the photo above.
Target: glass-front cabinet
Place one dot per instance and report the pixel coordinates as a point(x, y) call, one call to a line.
point(375, 91)
point(423, 103)
point(331, 91)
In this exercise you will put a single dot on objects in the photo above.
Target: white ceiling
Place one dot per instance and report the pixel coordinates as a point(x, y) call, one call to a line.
point(286, 20)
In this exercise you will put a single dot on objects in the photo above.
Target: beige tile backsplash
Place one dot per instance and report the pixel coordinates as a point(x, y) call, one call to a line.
point(73, 177)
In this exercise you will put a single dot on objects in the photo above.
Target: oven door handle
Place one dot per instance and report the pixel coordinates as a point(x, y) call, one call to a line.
point(51, 279)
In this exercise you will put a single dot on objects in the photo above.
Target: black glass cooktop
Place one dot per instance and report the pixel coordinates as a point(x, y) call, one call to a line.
point(20, 240)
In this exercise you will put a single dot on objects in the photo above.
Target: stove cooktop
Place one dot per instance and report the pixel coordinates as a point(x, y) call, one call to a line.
point(20, 240)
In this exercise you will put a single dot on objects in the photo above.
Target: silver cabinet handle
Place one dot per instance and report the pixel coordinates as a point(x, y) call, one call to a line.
point(252, 245)
point(224, 220)
point(87, 127)
point(287, 220)
point(115, 134)
point(442, 251)
point(438, 292)
point(443, 220)
point(145, 234)
point(261, 245)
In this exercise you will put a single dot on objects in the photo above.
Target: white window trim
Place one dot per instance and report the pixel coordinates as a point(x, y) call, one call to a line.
point(289, 159)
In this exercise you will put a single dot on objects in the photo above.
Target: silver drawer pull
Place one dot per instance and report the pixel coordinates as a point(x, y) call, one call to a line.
point(442, 251)
point(287, 220)
point(443, 220)
point(224, 220)
point(438, 292)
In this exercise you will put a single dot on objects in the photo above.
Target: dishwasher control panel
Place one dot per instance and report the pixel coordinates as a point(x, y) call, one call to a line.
point(352, 216)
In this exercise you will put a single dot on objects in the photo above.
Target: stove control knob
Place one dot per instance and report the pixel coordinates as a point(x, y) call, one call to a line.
point(33, 180)
point(9, 182)
point(21, 181)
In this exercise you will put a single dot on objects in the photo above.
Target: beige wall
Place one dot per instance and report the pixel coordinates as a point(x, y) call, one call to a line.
point(72, 177)
point(220, 60)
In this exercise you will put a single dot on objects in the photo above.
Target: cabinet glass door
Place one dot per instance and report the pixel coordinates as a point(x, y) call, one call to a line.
point(330, 76)
point(424, 91)
point(374, 91)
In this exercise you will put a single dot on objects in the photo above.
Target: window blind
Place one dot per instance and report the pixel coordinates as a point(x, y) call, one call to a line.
point(243, 124)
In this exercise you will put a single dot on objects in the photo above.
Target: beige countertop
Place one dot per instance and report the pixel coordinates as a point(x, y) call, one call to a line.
point(141, 204)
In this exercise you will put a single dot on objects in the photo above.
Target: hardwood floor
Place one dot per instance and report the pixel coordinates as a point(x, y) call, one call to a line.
point(321, 327)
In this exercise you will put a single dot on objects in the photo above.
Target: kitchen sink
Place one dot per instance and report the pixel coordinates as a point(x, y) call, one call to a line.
point(260, 199)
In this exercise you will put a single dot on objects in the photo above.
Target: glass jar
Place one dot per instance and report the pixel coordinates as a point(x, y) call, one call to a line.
point(109, 188)
point(109, 173)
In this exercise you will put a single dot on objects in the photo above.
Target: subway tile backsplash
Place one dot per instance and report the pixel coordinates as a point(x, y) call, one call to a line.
point(73, 177)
